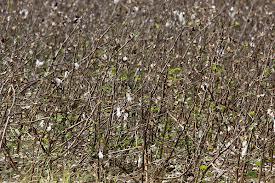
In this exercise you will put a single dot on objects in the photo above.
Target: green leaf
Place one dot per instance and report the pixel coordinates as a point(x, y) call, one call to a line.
point(258, 163)
point(174, 71)
point(216, 68)
point(69, 135)
point(157, 25)
point(124, 76)
point(237, 24)
point(203, 167)
point(252, 113)
point(113, 71)
point(252, 174)
point(155, 109)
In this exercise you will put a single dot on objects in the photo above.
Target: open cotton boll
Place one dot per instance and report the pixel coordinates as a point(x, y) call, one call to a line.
point(116, 1)
point(76, 66)
point(139, 161)
point(244, 148)
point(181, 18)
point(39, 63)
point(136, 8)
point(272, 115)
point(66, 74)
point(125, 116)
point(49, 128)
point(128, 97)
point(118, 112)
point(100, 155)
point(58, 81)
point(42, 123)
point(24, 13)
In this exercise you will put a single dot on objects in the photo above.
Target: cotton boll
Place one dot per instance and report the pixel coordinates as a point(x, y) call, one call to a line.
point(181, 18)
point(76, 66)
point(42, 123)
point(167, 24)
point(128, 97)
point(118, 112)
point(66, 74)
point(58, 81)
point(100, 155)
point(139, 161)
point(244, 148)
point(26, 107)
point(49, 128)
point(39, 63)
point(204, 86)
point(136, 8)
point(125, 116)
point(116, 1)
point(270, 113)
point(24, 13)
point(104, 57)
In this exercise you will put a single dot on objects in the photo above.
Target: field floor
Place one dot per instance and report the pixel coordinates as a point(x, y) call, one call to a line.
point(129, 91)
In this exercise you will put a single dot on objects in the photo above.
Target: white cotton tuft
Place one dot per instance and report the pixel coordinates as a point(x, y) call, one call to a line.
point(125, 116)
point(128, 97)
point(116, 1)
point(118, 112)
point(76, 66)
point(58, 81)
point(66, 74)
point(181, 18)
point(244, 148)
point(42, 123)
point(49, 128)
point(100, 155)
point(270, 113)
point(24, 13)
point(204, 86)
point(39, 63)
point(139, 161)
